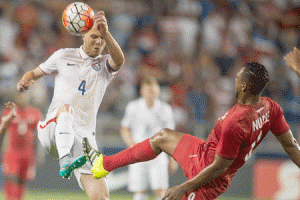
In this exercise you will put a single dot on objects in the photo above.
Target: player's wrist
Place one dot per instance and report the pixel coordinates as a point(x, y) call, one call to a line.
point(185, 187)
point(27, 77)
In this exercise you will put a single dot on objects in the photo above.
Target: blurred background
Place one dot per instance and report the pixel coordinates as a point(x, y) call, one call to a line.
point(193, 47)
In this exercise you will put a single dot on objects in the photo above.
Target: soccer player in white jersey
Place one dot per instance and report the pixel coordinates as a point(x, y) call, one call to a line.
point(143, 118)
point(82, 75)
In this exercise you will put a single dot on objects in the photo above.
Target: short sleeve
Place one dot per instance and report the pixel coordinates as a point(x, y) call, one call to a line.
point(128, 117)
point(170, 118)
point(50, 65)
point(231, 140)
point(279, 124)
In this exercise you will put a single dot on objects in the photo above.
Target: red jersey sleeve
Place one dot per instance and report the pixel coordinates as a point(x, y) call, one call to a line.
point(279, 125)
point(230, 141)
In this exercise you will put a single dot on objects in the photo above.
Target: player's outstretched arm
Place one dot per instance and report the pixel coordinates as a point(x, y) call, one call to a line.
point(7, 119)
point(117, 58)
point(29, 78)
point(216, 169)
point(292, 59)
point(291, 146)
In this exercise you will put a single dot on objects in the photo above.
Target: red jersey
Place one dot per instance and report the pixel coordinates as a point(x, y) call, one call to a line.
point(21, 131)
point(240, 131)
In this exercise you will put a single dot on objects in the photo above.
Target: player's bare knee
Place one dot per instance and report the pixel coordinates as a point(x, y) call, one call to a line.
point(161, 136)
point(64, 108)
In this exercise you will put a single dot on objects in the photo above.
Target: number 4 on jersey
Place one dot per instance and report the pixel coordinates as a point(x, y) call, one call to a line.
point(82, 87)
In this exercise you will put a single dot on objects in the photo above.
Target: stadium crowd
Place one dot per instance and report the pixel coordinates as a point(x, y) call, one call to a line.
point(193, 47)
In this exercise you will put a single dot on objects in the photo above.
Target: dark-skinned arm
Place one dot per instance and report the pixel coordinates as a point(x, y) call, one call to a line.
point(211, 172)
point(291, 146)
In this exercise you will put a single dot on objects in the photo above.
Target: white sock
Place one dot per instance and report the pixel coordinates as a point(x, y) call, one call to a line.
point(140, 196)
point(64, 134)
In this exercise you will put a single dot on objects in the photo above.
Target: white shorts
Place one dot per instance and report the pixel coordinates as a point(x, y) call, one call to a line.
point(46, 135)
point(153, 174)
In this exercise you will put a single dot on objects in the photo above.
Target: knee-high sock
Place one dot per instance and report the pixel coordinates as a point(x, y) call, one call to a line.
point(137, 153)
point(64, 134)
point(22, 189)
point(7, 187)
point(13, 191)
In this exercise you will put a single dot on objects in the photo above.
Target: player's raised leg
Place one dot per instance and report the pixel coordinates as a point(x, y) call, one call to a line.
point(165, 140)
point(64, 137)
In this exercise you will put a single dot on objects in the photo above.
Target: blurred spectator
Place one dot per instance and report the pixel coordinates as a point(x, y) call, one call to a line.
point(193, 47)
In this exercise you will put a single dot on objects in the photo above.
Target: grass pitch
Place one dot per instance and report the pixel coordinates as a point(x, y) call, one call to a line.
point(76, 195)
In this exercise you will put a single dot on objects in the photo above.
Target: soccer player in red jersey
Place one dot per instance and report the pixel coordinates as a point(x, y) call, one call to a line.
point(210, 165)
point(19, 155)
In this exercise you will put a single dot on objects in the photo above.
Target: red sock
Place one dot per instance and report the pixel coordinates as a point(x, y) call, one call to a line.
point(137, 153)
point(13, 191)
point(7, 189)
point(21, 191)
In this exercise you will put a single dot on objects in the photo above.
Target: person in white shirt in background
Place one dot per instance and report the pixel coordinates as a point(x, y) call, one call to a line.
point(82, 75)
point(143, 118)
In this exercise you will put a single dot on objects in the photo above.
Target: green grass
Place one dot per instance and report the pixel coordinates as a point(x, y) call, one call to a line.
point(74, 195)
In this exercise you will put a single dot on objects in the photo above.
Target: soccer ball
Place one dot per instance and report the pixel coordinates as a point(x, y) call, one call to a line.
point(77, 18)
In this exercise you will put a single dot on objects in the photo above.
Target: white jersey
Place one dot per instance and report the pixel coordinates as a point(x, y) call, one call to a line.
point(80, 81)
point(145, 122)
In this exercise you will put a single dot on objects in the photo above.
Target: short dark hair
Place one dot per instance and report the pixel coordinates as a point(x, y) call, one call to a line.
point(256, 75)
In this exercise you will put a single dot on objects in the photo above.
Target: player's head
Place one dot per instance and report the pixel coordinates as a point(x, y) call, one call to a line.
point(252, 79)
point(93, 43)
point(149, 89)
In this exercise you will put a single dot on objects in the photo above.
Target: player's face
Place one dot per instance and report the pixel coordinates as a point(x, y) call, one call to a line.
point(93, 43)
point(150, 91)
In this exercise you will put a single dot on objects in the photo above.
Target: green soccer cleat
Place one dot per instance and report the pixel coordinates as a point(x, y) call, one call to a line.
point(96, 159)
point(70, 164)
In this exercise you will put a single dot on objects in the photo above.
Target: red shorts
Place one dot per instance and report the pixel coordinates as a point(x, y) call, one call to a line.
point(23, 167)
point(191, 156)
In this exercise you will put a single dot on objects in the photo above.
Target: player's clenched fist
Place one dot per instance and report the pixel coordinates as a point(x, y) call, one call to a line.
point(23, 85)
point(293, 60)
point(101, 23)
